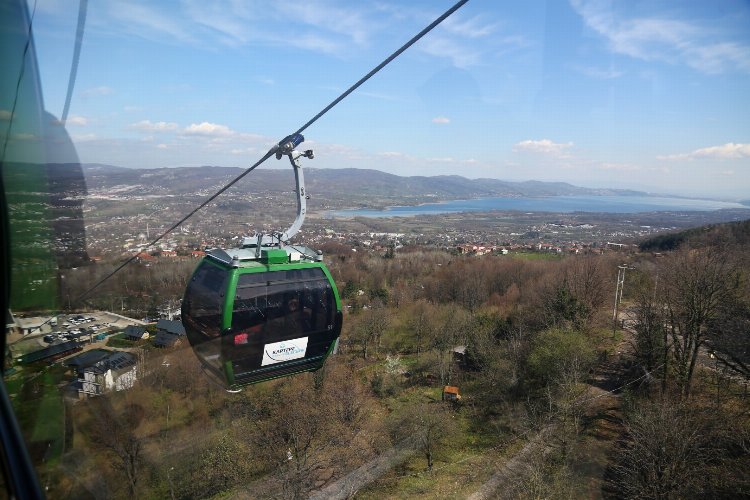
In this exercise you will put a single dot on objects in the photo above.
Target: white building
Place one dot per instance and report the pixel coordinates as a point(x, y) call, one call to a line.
point(116, 372)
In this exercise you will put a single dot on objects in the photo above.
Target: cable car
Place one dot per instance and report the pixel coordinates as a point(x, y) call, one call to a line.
point(264, 310)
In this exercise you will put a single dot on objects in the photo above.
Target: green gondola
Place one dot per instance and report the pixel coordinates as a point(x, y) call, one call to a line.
point(267, 309)
point(250, 320)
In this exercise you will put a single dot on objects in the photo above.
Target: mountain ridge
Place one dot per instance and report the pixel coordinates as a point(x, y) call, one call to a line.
point(332, 182)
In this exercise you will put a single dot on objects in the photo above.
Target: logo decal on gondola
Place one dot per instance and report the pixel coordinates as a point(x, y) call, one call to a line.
point(286, 350)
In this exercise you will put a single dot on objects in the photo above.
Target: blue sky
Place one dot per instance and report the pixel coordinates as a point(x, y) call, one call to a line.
point(647, 95)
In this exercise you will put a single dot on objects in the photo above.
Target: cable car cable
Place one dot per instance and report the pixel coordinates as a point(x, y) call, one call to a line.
point(380, 66)
point(82, 8)
point(285, 141)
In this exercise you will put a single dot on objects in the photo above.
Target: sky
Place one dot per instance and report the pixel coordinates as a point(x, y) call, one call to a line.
point(647, 95)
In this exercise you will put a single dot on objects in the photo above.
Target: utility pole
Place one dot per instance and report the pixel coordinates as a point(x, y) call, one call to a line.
point(169, 480)
point(618, 294)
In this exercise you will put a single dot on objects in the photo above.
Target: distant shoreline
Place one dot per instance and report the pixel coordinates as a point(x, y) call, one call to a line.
point(549, 204)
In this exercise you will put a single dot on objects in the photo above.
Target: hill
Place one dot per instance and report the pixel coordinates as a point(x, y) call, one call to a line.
point(327, 183)
point(729, 233)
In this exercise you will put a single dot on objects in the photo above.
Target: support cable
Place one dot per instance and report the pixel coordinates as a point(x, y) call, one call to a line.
point(82, 8)
point(284, 141)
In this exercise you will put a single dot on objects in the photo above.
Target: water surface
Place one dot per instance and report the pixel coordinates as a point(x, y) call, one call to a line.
point(559, 204)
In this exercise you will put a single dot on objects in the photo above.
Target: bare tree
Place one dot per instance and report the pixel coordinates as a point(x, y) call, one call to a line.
point(291, 434)
point(456, 324)
point(666, 452)
point(369, 329)
point(588, 280)
point(697, 283)
point(421, 324)
point(430, 425)
point(115, 434)
point(649, 343)
point(729, 335)
point(221, 465)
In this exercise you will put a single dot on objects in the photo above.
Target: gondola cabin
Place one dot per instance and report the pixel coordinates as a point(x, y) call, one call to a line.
point(255, 314)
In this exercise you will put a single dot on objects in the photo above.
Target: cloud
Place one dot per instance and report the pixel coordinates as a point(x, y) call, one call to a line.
point(669, 40)
point(349, 21)
point(376, 95)
point(240, 23)
point(149, 126)
point(450, 159)
point(84, 137)
point(244, 151)
point(146, 21)
point(77, 120)
point(469, 28)
point(208, 129)
point(543, 146)
point(102, 90)
point(441, 120)
point(440, 46)
point(5, 115)
point(623, 167)
point(162, 146)
point(729, 151)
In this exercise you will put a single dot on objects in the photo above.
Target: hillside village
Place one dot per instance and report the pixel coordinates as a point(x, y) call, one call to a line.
point(103, 351)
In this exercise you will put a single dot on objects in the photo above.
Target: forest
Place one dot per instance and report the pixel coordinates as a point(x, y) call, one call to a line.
point(558, 398)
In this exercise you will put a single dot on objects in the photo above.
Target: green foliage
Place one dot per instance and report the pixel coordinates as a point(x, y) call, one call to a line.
point(219, 466)
point(40, 411)
point(350, 290)
point(566, 309)
point(556, 351)
point(119, 341)
point(546, 256)
point(665, 242)
point(379, 294)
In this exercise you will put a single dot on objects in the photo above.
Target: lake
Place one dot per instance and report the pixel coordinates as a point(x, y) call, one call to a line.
point(559, 204)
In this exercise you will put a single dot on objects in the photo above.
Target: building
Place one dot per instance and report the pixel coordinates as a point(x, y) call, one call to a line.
point(171, 327)
point(166, 340)
point(116, 372)
point(32, 325)
point(451, 393)
point(86, 359)
point(133, 332)
point(168, 333)
point(10, 323)
point(51, 353)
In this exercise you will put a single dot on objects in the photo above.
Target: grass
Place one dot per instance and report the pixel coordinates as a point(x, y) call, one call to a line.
point(459, 469)
point(41, 414)
point(461, 464)
point(537, 255)
point(119, 340)
point(50, 426)
point(14, 385)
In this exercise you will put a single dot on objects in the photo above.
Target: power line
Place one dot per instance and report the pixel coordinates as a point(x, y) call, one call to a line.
point(276, 147)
